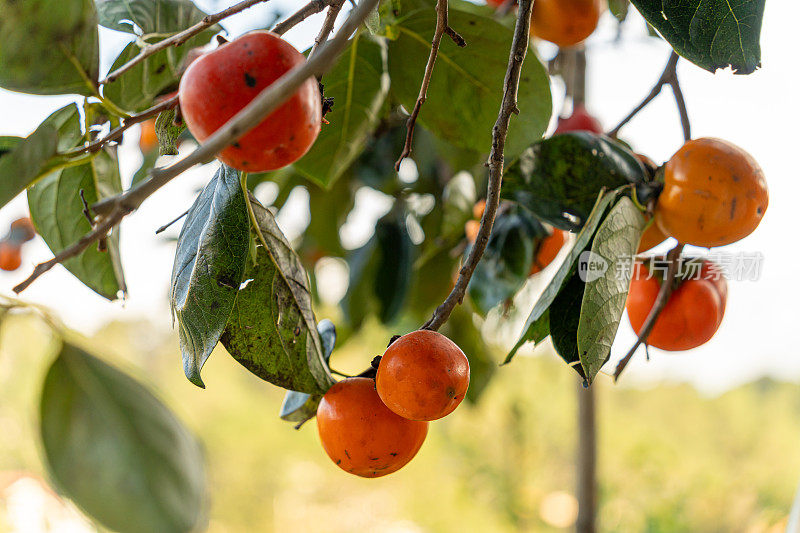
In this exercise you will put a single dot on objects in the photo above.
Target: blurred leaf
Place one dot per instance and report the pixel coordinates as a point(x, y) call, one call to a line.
point(507, 261)
point(380, 273)
point(710, 33)
point(148, 162)
point(567, 307)
point(36, 155)
point(467, 85)
point(117, 451)
point(358, 83)
point(538, 325)
point(565, 173)
point(461, 329)
point(49, 46)
point(272, 330)
point(209, 267)
point(432, 280)
point(458, 200)
point(619, 8)
point(149, 16)
point(168, 132)
point(604, 298)
point(329, 210)
point(299, 406)
point(57, 212)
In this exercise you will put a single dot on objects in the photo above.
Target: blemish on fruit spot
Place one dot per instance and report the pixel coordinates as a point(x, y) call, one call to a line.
point(249, 80)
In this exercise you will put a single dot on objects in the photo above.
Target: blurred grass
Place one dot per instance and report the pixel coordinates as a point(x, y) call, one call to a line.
point(670, 459)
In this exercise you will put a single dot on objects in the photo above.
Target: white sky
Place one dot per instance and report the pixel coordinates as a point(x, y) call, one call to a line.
point(756, 112)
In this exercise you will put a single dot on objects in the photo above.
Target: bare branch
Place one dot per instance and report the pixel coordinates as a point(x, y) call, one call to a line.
point(179, 38)
point(673, 256)
point(311, 8)
point(117, 132)
point(666, 76)
point(442, 27)
point(112, 210)
point(327, 26)
point(681, 103)
point(519, 49)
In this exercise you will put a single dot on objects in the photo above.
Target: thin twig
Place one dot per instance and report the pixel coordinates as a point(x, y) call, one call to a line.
point(311, 8)
point(112, 210)
point(519, 49)
point(664, 292)
point(168, 224)
point(179, 38)
point(327, 26)
point(666, 76)
point(117, 132)
point(686, 125)
point(442, 28)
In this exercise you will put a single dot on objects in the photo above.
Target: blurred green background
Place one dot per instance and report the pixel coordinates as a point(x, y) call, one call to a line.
point(669, 458)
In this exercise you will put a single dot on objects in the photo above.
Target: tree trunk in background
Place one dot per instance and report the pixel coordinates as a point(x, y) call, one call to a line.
point(586, 489)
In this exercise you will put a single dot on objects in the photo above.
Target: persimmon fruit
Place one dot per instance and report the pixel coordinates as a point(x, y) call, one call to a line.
point(651, 237)
point(547, 250)
point(22, 230)
point(148, 140)
point(691, 316)
point(10, 255)
point(361, 435)
point(579, 120)
point(565, 22)
point(714, 194)
point(423, 375)
point(222, 82)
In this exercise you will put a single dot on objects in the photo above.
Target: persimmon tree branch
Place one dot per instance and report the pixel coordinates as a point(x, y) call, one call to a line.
point(664, 292)
point(117, 132)
point(311, 8)
point(179, 38)
point(668, 77)
point(112, 210)
point(442, 28)
point(519, 49)
point(327, 26)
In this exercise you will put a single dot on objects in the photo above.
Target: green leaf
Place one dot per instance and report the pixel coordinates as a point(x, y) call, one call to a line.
point(458, 199)
point(49, 46)
point(329, 209)
point(506, 263)
point(57, 212)
point(299, 406)
point(537, 326)
point(567, 307)
point(710, 33)
point(272, 330)
point(209, 267)
point(149, 16)
point(615, 243)
point(36, 155)
point(560, 177)
point(148, 162)
point(168, 132)
point(8, 142)
point(380, 273)
point(117, 451)
point(467, 84)
point(619, 8)
point(358, 83)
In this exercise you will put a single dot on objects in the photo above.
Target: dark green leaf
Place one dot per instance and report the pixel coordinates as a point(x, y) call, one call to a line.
point(117, 451)
point(563, 175)
point(710, 33)
point(565, 313)
point(8, 142)
point(49, 46)
point(329, 210)
point(615, 244)
point(35, 156)
point(272, 330)
point(209, 267)
point(506, 263)
point(619, 8)
point(467, 85)
point(57, 212)
point(299, 406)
point(358, 83)
point(149, 16)
point(538, 324)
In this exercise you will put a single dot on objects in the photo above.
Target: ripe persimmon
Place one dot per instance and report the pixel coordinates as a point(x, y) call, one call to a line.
point(579, 120)
point(565, 22)
point(148, 140)
point(651, 237)
point(361, 435)
point(471, 229)
point(22, 230)
point(691, 316)
point(714, 194)
point(10, 255)
point(222, 82)
point(423, 375)
point(547, 250)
